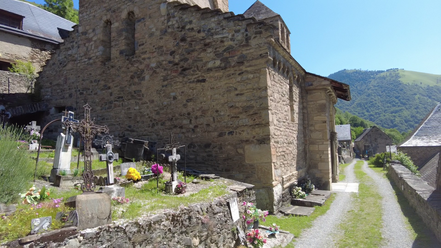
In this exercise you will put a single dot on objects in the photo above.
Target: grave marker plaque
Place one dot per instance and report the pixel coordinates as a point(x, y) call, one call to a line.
point(234, 209)
point(41, 224)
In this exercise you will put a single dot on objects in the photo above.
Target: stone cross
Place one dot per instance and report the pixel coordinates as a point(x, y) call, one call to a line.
point(87, 130)
point(109, 157)
point(33, 126)
point(173, 159)
point(69, 116)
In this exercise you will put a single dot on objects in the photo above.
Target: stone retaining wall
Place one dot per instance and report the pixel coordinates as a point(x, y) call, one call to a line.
point(13, 83)
point(206, 224)
point(421, 196)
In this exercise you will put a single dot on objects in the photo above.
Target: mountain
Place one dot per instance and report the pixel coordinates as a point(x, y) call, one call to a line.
point(394, 98)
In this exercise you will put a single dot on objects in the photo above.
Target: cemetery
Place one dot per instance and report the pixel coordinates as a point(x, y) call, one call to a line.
point(111, 200)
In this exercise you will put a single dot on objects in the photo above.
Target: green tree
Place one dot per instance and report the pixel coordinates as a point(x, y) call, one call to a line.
point(26, 69)
point(63, 8)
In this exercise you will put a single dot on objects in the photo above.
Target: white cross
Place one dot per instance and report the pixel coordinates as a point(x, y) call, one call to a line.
point(33, 126)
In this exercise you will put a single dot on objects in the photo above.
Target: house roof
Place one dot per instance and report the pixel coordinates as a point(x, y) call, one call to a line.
point(428, 132)
point(259, 11)
point(37, 23)
point(429, 170)
point(341, 90)
point(366, 131)
point(343, 132)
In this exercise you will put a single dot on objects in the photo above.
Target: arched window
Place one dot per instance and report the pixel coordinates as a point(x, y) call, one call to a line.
point(129, 34)
point(291, 99)
point(107, 41)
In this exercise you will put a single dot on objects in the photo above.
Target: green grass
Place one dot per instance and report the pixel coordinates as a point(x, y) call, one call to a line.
point(420, 78)
point(362, 227)
point(341, 175)
point(150, 199)
point(296, 224)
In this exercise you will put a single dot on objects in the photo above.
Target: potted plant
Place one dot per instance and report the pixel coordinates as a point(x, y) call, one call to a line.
point(253, 215)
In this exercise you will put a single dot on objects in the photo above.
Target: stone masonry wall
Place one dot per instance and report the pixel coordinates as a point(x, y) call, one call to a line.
point(420, 155)
point(320, 107)
point(14, 47)
point(197, 73)
point(199, 225)
point(11, 83)
point(421, 196)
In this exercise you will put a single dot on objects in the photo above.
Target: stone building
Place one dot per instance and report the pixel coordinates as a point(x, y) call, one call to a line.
point(29, 33)
point(371, 142)
point(345, 145)
point(226, 85)
point(424, 147)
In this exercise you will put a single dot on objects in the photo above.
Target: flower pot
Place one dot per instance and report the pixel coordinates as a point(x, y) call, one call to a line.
point(256, 224)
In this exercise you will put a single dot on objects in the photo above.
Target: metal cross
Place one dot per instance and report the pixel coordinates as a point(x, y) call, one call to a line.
point(68, 116)
point(4, 117)
point(87, 130)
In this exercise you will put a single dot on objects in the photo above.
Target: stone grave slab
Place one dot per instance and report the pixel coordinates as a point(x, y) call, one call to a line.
point(114, 191)
point(93, 209)
point(62, 158)
point(316, 198)
point(297, 210)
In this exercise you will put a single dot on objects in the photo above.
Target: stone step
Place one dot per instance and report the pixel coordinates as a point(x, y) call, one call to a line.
point(297, 210)
point(316, 198)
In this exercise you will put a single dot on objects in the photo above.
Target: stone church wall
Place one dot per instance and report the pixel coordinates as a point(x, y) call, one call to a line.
point(197, 73)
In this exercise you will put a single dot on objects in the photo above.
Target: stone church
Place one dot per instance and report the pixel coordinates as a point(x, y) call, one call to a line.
point(226, 85)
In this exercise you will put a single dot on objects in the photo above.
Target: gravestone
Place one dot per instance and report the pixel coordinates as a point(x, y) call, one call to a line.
point(173, 159)
point(32, 127)
point(109, 157)
point(63, 149)
point(126, 166)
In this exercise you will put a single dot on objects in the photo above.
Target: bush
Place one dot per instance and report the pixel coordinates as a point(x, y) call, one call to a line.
point(407, 162)
point(16, 166)
point(378, 160)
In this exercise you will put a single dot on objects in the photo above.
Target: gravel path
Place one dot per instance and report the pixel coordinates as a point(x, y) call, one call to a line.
point(394, 231)
point(325, 230)
point(325, 227)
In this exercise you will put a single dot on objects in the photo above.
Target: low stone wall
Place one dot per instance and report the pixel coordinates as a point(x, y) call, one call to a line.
point(421, 196)
point(206, 224)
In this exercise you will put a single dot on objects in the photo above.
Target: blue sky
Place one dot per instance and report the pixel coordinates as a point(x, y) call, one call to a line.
point(331, 35)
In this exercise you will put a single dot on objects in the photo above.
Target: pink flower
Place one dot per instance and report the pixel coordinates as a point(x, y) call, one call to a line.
point(157, 169)
point(264, 241)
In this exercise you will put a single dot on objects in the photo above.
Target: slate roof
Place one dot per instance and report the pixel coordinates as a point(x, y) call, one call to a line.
point(259, 11)
point(428, 171)
point(343, 132)
point(429, 131)
point(366, 131)
point(37, 23)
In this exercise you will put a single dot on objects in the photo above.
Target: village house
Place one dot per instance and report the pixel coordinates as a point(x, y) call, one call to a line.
point(226, 85)
point(424, 146)
point(371, 142)
point(345, 145)
point(27, 33)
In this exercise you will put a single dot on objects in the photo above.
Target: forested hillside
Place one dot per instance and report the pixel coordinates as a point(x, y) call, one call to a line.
point(394, 98)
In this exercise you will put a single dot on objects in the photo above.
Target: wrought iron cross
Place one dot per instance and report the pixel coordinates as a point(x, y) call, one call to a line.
point(87, 130)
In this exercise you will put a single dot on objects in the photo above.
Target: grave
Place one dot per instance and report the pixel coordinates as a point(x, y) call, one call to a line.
point(63, 149)
point(93, 209)
point(126, 166)
point(111, 189)
point(170, 186)
point(32, 127)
